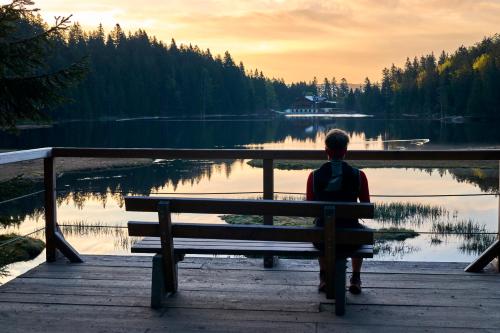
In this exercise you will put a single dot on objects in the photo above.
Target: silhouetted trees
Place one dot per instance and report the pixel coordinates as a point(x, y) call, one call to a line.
point(28, 84)
point(135, 75)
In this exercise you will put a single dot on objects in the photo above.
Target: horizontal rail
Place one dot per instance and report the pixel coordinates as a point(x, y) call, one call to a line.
point(457, 155)
point(25, 155)
point(250, 207)
point(452, 155)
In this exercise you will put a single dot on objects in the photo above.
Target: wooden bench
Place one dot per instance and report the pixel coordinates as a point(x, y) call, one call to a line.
point(171, 241)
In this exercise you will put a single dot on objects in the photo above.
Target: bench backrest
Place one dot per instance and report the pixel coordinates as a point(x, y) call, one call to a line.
point(330, 210)
point(250, 207)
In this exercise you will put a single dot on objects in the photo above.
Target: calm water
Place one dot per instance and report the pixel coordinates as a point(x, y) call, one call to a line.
point(91, 202)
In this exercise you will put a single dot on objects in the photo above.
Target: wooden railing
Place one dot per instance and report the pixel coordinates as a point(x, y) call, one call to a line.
point(55, 240)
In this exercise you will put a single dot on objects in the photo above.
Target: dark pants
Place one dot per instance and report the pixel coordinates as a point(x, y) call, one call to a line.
point(340, 224)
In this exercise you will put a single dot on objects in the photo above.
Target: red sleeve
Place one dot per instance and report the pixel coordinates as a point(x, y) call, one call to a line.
point(364, 193)
point(309, 190)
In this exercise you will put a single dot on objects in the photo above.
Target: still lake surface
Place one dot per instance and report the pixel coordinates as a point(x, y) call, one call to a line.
point(90, 205)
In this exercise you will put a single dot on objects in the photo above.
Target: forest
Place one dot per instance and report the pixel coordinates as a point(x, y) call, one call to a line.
point(464, 83)
point(132, 74)
point(135, 75)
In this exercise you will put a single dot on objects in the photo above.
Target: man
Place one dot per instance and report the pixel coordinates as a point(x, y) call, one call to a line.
point(338, 181)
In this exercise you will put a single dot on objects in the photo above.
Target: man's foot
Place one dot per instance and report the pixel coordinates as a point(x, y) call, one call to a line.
point(355, 287)
point(322, 287)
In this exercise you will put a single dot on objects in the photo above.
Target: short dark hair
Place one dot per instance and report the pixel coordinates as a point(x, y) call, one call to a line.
point(336, 139)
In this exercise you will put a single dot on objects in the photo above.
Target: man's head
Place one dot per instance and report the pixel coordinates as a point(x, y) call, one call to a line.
point(336, 142)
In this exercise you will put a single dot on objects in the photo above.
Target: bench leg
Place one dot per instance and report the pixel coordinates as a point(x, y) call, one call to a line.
point(340, 298)
point(157, 282)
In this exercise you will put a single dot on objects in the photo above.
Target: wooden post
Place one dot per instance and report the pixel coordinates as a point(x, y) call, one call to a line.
point(268, 194)
point(157, 282)
point(498, 230)
point(340, 298)
point(49, 177)
point(167, 247)
point(330, 253)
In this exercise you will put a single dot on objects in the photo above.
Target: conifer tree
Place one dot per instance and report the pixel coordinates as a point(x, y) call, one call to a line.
point(29, 86)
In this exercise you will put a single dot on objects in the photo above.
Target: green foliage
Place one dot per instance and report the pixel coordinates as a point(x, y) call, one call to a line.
point(394, 234)
point(278, 220)
point(15, 248)
point(29, 85)
point(465, 83)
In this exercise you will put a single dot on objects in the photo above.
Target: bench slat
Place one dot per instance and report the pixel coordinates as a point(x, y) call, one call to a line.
point(250, 207)
point(219, 246)
point(154, 241)
point(251, 232)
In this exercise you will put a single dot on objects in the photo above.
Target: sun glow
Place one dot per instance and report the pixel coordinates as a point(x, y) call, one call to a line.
point(296, 39)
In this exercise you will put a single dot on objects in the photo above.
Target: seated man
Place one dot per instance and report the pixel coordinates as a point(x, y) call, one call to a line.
point(338, 181)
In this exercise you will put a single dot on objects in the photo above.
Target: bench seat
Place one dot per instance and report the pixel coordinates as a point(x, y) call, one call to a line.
point(244, 247)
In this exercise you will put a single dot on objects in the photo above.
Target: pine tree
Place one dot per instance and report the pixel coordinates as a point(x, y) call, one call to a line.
point(28, 85)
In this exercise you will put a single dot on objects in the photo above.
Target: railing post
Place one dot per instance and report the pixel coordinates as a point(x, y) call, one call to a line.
point(49, 177)
point(498, 229)
point(268, 169)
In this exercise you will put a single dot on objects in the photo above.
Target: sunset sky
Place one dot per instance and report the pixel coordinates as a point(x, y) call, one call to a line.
point(299, 39)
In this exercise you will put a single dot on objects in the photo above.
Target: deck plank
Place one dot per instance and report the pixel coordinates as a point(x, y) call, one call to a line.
point(111, 294)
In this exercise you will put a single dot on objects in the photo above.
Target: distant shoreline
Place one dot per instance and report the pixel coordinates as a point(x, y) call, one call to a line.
point(309, 165)
point(33, 170)
point(456, 120)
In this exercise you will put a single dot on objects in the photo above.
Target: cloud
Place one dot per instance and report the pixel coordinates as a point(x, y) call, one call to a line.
point(351, 37)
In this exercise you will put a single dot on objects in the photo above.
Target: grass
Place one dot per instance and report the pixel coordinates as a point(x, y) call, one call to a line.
point(463, 227)
point(278, 220)
point(119, 233)
point(400, 213)
point(394, 234)
point(23, 249)
point(475, 237)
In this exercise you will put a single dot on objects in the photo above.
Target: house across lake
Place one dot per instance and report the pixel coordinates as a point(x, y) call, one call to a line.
point(311, 104)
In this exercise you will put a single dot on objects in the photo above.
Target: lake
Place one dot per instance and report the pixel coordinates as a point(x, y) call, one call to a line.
point(90, 205)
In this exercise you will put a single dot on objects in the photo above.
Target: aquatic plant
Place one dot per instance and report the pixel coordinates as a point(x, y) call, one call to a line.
point(119, 233)
point(474, 236)
point(401, 213)
point(467, 228)
point(394, 249)
point(394, 234)
point(278, 220)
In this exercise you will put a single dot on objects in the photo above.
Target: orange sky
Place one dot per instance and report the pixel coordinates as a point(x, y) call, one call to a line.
point(299, 39)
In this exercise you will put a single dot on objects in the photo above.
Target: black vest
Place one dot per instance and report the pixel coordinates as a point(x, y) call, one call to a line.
point(336, 181)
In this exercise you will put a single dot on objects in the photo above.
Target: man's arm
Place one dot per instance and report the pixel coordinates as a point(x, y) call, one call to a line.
point(309, 189)
point(364, 193)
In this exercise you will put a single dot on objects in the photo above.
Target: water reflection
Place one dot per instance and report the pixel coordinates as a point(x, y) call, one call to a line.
point(234, 133)
point(96, 198)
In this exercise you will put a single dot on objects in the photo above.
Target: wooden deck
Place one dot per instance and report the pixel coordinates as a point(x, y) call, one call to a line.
point(111, 294)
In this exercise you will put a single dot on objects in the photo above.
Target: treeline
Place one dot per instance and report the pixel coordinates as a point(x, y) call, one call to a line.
point(135, 75)
point(465, 83)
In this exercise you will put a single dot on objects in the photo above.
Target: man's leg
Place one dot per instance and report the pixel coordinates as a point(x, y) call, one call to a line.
point(322, 274)
point(355, 287)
